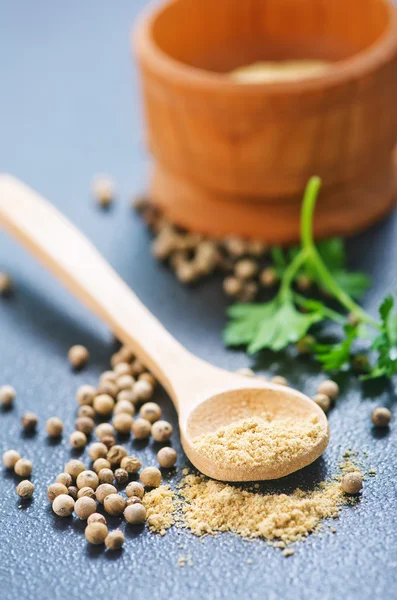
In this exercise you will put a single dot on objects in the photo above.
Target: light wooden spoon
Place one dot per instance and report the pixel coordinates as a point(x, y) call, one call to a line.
point(205, 396)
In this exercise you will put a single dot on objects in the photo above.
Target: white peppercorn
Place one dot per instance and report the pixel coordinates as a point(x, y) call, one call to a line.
point(135, 489)
point(137, 368)
point(127, 396)
point(122, 368)
point(110, 388)
point(329, 388)
point(352, 483)
point(114, 504)
point(95, 533)
point(7, 395)
point(63, 505)
point(87, 479)
point(29, 421)
point(149, 378)
point(78, 439)
point(56, 489)
point(25, 489)
point(166, 457)
point(10, 458)
point(105, 475)
point(143, 390)
point(245, 268)
point(97, 450)
point(23, 467)
point(122, 423)
point(135, 514)
point(131, 464)
point(73, 492)
point(85, 395)
point(103, 190)
point(268, 277)
point(161, 431)
point(103, 404)
point(232, 286)
point(151, 477)
point(322, 401)
point(279, 380)
point(86, 492)
point(121, 476)
point(108, 440)
point(78, 356)
point(114, 540)
point(150, 411)
point(141, 429)
point(54, 427)
point(85, 424)
point(115, 455)
point(96, 518)
point(84, 507)
point(124, 406)
point(65, 479)
point(245, 371)
point(99, 464)
point(74, 467)
point(381, 416)
point(103, 490)
point(6, 285)
point(86, 411)
point(104, 429)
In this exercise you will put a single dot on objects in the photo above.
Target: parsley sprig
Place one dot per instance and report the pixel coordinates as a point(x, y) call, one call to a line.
point(290, 316)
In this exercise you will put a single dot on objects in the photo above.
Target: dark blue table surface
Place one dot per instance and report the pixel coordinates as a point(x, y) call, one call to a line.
point(69, 108)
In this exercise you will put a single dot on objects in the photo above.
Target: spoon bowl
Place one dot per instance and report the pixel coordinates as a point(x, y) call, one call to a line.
point(205, 396)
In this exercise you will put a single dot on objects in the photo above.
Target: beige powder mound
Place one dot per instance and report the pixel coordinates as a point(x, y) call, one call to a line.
point(160, 504)
point(211, 506)
point(259, 441)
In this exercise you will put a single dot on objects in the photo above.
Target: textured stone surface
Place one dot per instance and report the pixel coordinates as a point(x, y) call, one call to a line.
point(68, 111)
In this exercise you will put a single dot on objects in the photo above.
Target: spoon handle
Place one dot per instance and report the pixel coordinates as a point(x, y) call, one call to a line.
point(72, 258)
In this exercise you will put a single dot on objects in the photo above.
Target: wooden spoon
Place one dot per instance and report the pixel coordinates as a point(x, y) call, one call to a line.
point(205, 396)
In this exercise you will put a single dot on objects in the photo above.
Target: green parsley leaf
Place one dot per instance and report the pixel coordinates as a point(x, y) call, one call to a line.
point(272, 325)
point(334, 357)
point(385, 344)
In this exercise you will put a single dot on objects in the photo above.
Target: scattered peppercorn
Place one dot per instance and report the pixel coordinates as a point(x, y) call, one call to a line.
point(116, 454)
point(329, 388)
point(135, 514)
point(78, 439)
point(109, 388)
point(86, 411)
point(74, 467)
point(114, 504)
point(141, 429)
point(131, 464)
point(135, 489)
point(65, 479)
point(381, 416)
point(78, 356)
point(54, 427)
point(29, 421)
point(73, 492)
point(97, 450)
point(86, 492)
point(108, 440)
point(95, 533)
point(245, 268)
point(103, 404)
point(246, 372)
point(87, 479)
point(114, 540)
point(122, 423)
point(124, 407)
point(63, 505)
point(96, 518)
point(25, 489)
point(161, 431)
point(105, 475)
point(133, 500)
point(100, 463)
point(104, 429)
point(23, 467)
point(85, 425)
point(127, 396)
point(84, 507)
point(166, 457)
point(150, 411)
point(268, 277)
point(103, 190)
point(151, 476)
point(103, 490)
point(148, 377)
point(121, 476)
point(56, 489)
point(85, 395)
point(352, 483)
point(322, 401)
point(10, 458)
point(7, 396)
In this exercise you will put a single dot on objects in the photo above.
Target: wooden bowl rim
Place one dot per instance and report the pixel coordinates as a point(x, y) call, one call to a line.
point(366, 61)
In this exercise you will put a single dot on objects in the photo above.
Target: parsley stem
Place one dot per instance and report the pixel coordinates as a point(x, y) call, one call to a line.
point(311, 253)
point(290, 273)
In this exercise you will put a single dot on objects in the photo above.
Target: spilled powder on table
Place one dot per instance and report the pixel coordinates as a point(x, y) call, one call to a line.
point(259, 441)
point(205, 506)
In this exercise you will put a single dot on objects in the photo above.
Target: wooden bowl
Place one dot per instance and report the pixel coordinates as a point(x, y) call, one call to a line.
point(232, 158)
